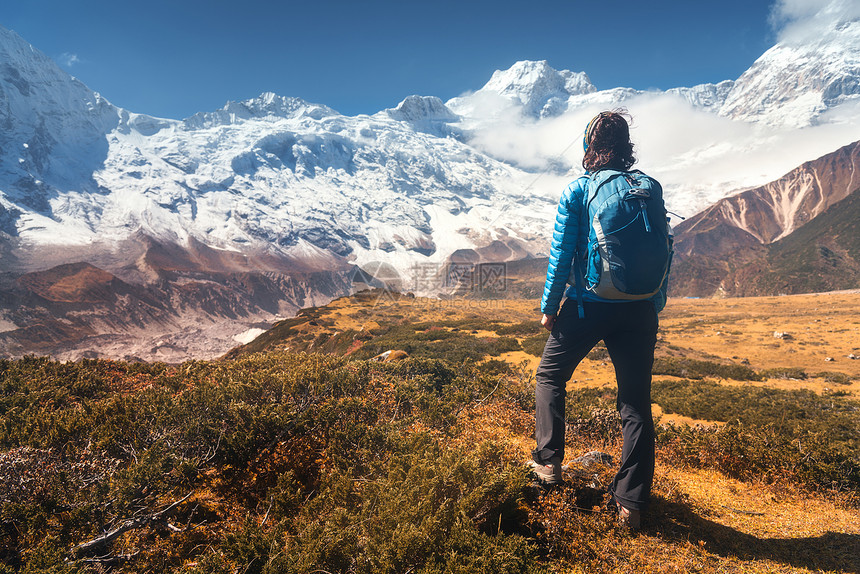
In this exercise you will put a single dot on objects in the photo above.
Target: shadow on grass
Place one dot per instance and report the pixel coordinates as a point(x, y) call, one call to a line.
point(833, 551)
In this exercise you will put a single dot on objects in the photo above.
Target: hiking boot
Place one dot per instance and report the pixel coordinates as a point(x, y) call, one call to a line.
point(629, 518)
point(548, 474)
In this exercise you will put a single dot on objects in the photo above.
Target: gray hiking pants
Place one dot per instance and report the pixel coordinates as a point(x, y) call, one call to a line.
point(629, 331)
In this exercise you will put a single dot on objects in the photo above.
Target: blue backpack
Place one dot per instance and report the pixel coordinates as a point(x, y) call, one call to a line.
point(629, 239)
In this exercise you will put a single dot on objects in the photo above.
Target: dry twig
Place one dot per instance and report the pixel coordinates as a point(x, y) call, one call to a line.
point(92, 546)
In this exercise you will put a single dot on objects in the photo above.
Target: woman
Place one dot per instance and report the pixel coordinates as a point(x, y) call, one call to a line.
point(628, 329)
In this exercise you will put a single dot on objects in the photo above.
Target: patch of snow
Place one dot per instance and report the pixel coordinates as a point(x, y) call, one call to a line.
point(248, 336)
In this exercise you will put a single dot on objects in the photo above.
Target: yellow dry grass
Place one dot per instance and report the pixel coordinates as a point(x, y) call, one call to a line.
point(819, 326)
point(815, 328)
point(760, 510)
point(701, 520)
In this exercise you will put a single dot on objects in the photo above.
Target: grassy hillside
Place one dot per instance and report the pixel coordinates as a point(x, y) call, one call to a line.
point(308, 462)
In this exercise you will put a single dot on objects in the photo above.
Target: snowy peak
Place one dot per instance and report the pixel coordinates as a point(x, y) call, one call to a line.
point(273, 184)
point(814, 68)
point(422, 108)
point(706, 96)
point(53, 128)
point(265, 106)
point(426, 114)
point(20, 58)
point(34, 89)
point(793, 83)
point(541, 90)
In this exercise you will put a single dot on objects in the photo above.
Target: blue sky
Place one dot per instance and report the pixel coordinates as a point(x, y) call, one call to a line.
point(172, 58)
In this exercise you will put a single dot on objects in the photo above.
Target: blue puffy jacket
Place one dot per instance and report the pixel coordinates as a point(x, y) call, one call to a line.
point(567, 239)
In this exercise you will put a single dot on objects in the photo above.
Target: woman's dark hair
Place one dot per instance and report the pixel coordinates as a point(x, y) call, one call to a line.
point(608, 143)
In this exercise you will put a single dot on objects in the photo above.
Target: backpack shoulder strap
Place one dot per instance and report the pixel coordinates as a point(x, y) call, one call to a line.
point(584, 226)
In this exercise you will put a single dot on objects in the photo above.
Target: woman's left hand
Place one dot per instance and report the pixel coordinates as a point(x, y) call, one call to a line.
point(548, 321)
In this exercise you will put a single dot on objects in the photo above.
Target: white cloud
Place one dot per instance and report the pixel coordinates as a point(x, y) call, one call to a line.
point(68, 60)
point(499, 128)
point(803, 21)
point(701, 157)
point(698, 156)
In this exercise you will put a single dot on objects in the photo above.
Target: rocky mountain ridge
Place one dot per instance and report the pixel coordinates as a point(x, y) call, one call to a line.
point(718, 249)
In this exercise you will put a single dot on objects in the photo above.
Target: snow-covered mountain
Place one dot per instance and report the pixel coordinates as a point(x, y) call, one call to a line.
point(52, 137)
point(794, 82)
point(271, 174)
point(540, 90)
point(275, 186)
point(240, 215)
point(790, 85)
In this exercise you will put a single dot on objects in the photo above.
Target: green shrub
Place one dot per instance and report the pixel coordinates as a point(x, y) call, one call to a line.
point(315, 462)
point(521, 329)
point(48, 557)
point(695, 369)
point(431, 510)
point(598, 353)
point(581, 401)
point(835, 378)
point(535, 344)
point(328, 445)
point(793, 413)
point(497, 367)
point(436, 342)
point(788, 373)
point(465, 324)
point(753, 452)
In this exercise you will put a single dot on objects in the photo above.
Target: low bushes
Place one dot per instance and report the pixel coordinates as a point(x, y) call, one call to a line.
point(756, 452)
point(534, 345)
point(432, 341)
point(314, 462)
point(429, 509)
point(792, 413)
point(295, 463)
point(696, 369)
point(773, 435)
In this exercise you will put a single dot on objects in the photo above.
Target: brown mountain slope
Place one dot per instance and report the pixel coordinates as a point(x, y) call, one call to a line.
point(69, 305)
point(775, 210)
point(823, 255)
point(718, 249)
point(184, 309)
point(71, 283)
